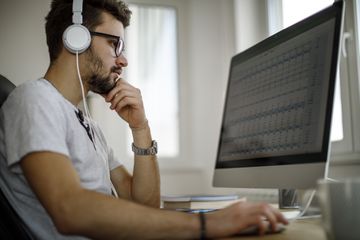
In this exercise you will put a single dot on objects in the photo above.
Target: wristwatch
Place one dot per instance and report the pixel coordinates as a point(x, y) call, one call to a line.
point(145, 151)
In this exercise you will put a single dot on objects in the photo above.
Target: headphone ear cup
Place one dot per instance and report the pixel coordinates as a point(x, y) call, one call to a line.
point(76, 38)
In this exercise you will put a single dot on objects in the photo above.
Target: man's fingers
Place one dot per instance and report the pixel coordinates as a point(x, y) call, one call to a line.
point(120, 85)
point(120, 95)
point(125, 102)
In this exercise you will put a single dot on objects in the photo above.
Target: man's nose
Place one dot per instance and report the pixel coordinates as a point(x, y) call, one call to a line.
point(121, 60)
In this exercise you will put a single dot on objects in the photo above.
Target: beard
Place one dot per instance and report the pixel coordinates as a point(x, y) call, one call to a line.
point(99, 81)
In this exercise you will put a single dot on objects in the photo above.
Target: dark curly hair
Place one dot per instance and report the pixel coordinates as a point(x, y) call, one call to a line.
point(60, 17)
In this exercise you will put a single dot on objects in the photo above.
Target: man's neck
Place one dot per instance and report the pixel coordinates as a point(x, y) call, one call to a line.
point(64, 78)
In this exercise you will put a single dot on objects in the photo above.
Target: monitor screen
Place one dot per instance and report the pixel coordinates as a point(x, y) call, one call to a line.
point(277, 115)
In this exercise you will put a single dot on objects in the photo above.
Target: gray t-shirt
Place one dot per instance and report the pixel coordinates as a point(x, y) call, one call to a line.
point(36, 117)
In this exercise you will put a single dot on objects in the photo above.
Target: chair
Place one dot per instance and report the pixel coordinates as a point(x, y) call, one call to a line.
point(5, 88)
point(11, 225)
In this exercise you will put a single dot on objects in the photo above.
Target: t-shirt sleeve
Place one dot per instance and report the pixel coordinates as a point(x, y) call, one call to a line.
point(113, 161)
point(33, 122)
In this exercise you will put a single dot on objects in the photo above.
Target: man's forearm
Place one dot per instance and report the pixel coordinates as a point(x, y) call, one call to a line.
point(146, 177)
point(99, 216)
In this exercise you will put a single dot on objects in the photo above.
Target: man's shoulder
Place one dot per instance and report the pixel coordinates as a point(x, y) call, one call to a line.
point(32, 92)
point(30, 88)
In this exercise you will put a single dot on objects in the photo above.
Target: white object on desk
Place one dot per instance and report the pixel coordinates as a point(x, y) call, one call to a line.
point(340, 206)
point(289, 215)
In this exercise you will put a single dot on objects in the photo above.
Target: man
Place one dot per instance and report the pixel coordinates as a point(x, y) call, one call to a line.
point(56, 168)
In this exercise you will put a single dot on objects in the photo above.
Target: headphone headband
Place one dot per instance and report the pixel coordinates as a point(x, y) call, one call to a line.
point(77, 12)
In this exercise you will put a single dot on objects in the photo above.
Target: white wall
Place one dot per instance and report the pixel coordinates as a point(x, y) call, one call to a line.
point(23, 49)
point(211, 45)
point(250, 22)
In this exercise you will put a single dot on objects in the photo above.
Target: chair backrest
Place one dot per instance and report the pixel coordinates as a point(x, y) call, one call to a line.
point(11, 225)
point(5, 89)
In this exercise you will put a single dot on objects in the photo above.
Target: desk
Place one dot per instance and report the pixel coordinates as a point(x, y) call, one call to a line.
point(309, 229)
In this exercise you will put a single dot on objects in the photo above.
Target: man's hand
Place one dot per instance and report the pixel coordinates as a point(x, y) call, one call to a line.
point(126, 100)
point(239, 216)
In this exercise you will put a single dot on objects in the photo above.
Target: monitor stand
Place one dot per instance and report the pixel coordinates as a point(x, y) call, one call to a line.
point(293, 201)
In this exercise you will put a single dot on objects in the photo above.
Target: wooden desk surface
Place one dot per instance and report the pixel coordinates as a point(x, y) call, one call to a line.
point(309, 229)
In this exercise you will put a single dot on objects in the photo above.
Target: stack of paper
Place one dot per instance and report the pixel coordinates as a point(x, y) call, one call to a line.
point(199, 201)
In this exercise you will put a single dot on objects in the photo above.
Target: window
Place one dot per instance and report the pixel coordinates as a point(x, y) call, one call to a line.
point(345, 136)
point(294, 11)
point(152, 56)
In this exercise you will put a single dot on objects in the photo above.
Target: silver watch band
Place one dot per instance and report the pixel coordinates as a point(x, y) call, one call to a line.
point(145, 151)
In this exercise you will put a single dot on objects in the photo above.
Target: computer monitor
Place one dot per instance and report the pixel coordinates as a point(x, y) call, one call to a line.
point(276, 123)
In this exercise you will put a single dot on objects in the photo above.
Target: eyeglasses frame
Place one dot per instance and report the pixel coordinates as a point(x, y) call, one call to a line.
point(120, 45)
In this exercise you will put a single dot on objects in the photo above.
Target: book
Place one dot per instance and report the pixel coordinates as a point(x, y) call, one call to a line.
point(185, 202)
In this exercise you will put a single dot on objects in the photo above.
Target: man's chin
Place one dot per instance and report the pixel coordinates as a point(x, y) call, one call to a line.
point(102, 85)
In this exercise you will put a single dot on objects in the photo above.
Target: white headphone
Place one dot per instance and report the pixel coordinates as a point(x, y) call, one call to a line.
point(76, 37)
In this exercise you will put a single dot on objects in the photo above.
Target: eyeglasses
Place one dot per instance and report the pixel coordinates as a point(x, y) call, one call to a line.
point(119, 45)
